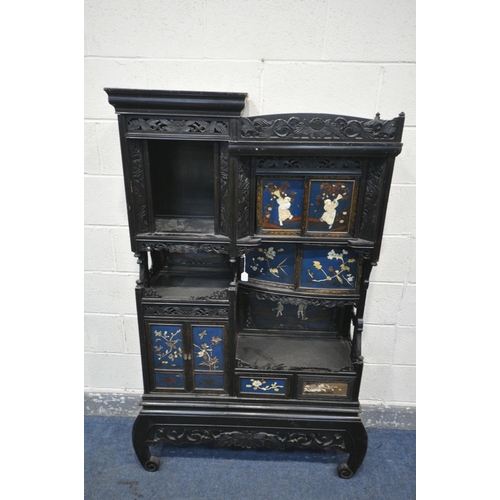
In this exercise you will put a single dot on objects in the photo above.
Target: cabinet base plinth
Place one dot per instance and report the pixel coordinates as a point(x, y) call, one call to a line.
point(241, 430)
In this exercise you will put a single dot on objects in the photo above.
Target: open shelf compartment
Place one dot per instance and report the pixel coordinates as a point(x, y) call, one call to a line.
point(292, 353)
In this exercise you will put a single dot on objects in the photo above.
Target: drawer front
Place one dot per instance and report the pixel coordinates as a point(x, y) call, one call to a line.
point(256, 385)
point(337, 388)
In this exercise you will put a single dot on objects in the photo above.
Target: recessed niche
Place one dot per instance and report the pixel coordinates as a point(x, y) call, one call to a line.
point(182, 177)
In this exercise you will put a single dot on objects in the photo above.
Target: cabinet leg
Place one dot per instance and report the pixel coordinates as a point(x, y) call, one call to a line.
point(357, 453)
point(142, 425)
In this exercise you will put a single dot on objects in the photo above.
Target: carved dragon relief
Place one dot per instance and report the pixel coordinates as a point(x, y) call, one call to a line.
point(279, 440)
point(319, 128)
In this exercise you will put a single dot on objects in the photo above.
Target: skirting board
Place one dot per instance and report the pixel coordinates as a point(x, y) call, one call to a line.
point(115, 404)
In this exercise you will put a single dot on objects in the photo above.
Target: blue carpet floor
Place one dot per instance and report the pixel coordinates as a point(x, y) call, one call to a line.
point(113, 472)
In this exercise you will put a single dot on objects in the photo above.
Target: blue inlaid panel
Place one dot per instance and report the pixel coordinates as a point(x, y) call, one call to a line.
point(272, 386)
point(329, 267)
point(209, 381)
point(208, 348)
point(282, 204)
point(169, 380)
point(272, 263)
point(167, 346)
point(330, 206)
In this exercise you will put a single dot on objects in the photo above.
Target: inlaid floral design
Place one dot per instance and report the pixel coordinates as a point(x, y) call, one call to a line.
point(272, 263)
point(266, 263)
point(342, 274)
point(327, 267)
point(167, 346)
point(207, 354)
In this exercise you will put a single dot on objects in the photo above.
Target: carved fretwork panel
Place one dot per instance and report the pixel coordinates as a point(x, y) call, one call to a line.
point(185, 311)
point(372, 199)
point(308, 163)
point(183, 247)
point(224, 189)
point(243, 199)
point(138, 186)
point(180, 126)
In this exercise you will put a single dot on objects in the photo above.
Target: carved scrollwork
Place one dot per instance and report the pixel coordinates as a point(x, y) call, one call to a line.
point(160, 310)
point(318, 128)
point(178, 126)
point(279, 440)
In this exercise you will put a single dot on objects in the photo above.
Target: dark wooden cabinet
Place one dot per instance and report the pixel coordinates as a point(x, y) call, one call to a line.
point(255, 238)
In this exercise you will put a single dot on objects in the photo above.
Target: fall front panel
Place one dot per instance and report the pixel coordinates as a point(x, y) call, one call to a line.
point(318, 268)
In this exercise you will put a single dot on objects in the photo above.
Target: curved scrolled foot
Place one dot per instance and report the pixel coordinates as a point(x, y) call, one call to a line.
point(140, 431)
point(344, 471)
point(152, 464)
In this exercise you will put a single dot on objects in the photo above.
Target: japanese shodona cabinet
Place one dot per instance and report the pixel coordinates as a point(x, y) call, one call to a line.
point(255, 239)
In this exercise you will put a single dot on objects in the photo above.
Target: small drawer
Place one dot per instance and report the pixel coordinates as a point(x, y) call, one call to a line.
point(257, 385)
point(338, 388)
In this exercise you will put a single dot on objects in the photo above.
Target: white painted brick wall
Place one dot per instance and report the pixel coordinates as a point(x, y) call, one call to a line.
point(328, 56)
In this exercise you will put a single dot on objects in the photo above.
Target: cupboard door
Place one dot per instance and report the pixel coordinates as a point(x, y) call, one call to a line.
point(168, 351)
point(208, 356)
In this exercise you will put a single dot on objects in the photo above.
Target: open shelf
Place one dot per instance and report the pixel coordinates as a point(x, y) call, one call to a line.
point(183, 185)
point(188, 288)
point(292, 353)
